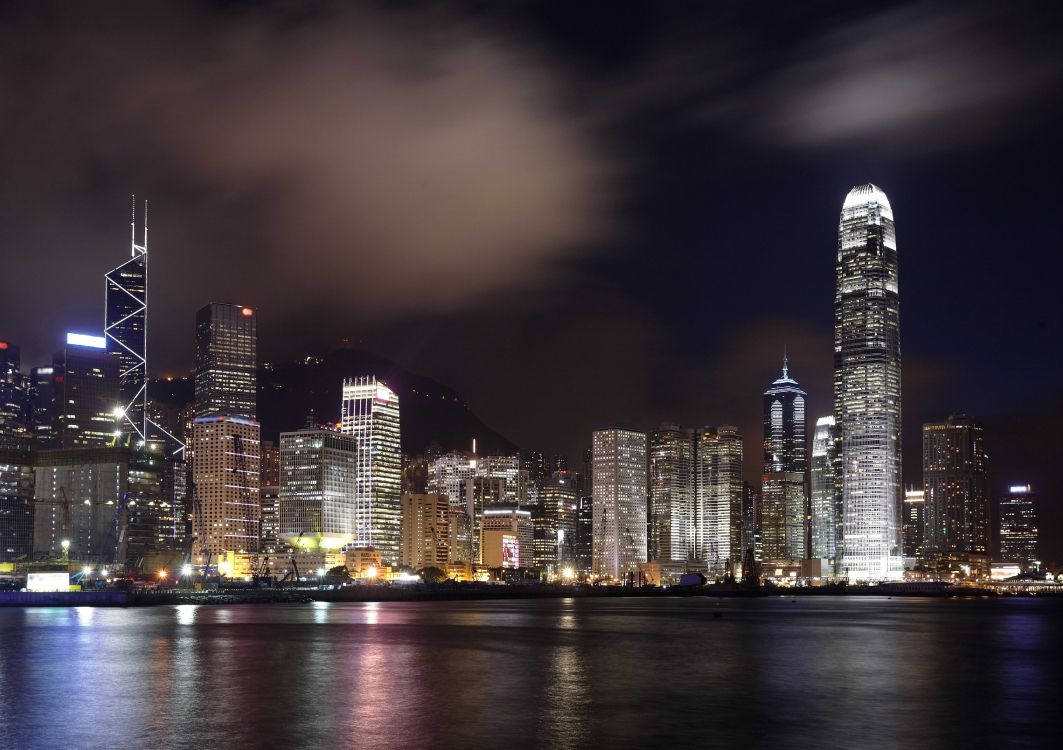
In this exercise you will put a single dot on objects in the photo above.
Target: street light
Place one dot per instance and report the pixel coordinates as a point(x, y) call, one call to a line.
point(162, 575)
point(370, 572)
point(186, 570)
point(320, 572)
point(65, 544)
point(568, 574)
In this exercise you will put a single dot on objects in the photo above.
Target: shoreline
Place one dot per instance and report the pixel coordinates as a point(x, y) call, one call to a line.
point(472, 592)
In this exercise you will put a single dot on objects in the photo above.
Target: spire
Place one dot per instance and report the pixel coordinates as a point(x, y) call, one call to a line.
point(785, 363)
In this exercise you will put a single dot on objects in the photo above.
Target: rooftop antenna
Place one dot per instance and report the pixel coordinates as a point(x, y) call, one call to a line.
point(785, 363)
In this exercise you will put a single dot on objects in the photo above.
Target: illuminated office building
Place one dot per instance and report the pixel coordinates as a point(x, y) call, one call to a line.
point(41, 407)
point(318, 470)
point(14, 431)
point(784, 500)
point(16, 507)
point(559, 501)
point(507, 537)
point(867, 386)
point(671, 534)
point(914, 522)
point(826, 495)
point(225, 476)
point(1018, 526)
point(956, 487)
point(226, 376)
point(126, 330)
point(86, 392)
point(719, 495)
point(585, 534)
point(619, 490)
point(425, 531)
point(370, 413)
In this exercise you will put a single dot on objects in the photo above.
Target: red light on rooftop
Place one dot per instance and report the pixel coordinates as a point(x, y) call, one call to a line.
point(3, 345)
point(247, 312)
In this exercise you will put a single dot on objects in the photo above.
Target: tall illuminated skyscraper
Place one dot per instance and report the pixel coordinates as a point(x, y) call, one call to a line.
point(826, 490)
point(226, 378)
point(317, 485)
point(867, 386)
point(619, 512)
point(956, 491)
point(672, 470)
point(1018, 526)
point(719, 493)
point(126, 330)
point(86, 392)
point(784, 499)
point(370, 412)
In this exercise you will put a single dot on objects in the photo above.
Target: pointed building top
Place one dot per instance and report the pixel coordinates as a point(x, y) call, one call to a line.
point(785, 363)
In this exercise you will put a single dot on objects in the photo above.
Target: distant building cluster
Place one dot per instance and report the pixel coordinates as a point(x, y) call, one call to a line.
point(94, 470)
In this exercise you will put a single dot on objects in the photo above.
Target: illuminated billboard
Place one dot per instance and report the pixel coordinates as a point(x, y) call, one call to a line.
point(48, 581)
point(510, 551)
point(83, 339)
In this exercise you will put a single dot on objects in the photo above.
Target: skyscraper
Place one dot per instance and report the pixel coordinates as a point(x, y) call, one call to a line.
point(86, 392)
point(619, 513)
point(914, 522)
point(42, 407)
point(16, 508)
point(867, 386)
point(425, 531)
point(126, 327)
point(318, 468)
point(14, 432)
point(370, 412)
point(955, 485)
point(226, 343)
point(784, 500)
point(826, 490)
point(1018, 526)
point(672, 471)
point(226, 439)
point(719, 494)
point(559, 501)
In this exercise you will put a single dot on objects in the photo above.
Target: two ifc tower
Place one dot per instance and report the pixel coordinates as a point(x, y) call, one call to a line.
point(126, 333)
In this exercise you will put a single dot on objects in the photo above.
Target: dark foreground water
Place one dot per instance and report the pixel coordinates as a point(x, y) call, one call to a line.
point(818, 672)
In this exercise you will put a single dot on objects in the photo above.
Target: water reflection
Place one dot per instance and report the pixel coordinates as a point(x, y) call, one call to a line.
point(821, 672)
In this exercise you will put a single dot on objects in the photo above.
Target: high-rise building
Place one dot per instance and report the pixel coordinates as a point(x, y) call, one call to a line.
point(16, 506)
point(585, 534)
point(867, 386)
point(42, 407)
point(955, 485)
point(370, 412)
point(826, 490)
point(86, 393)
point(672, 501)
point(508, 535)
point(1018, 526)
point(226, 376)
point(425, 531)
point(269, 528)
point(914, 522)
point(784, 501)
point(559, 501)
point(126, 327)
point(719, 495)
point(225, 478)
point(14, 431)
point(105, 501)
point(318, 471)
point(619, 525)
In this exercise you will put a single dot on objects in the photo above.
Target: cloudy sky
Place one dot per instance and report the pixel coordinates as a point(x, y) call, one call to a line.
point(577, 214)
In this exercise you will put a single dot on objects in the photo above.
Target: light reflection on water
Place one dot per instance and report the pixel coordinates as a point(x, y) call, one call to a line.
point(812, 672)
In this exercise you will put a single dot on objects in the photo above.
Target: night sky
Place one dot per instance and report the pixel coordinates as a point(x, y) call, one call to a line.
point(576, 214)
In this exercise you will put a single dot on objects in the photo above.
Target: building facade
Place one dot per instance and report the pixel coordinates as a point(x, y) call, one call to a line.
point(16, 504)
point(225, 479)
point(956, 489)
point(826, 494)
point(425, 531)
point(914, 522)
point(126, 330)
point(370, 413)
point(867, 386)
point(318, 473)
point(226, 361)
point(719, 496)
point(1018, 526)
point(784, 500)
point(672, 528)
point(620, 494)
point(86, 393)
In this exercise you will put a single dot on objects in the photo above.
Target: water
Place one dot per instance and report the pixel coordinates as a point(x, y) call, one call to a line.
point(817, 672)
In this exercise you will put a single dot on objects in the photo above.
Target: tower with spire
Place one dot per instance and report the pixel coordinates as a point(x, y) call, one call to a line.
point(785, 497)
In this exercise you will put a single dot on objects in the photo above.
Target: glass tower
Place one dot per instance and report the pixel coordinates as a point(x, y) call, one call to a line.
point(719, 495)
point(225, 361)
point(867, 386)
point(1018, 526)
point(317, 484)
point(126, 328)
point(826, 490)
point(784, 501)
point(370, 412)
point(956, 493)
point(671, 530)
point(619, 489)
